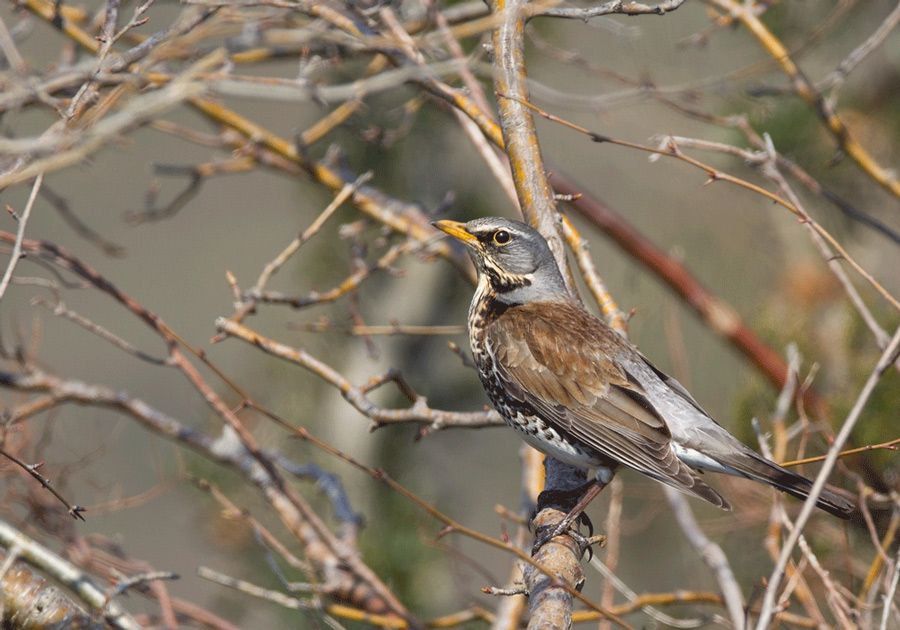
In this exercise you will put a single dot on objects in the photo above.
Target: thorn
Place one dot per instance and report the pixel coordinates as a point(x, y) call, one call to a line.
point(446, 530)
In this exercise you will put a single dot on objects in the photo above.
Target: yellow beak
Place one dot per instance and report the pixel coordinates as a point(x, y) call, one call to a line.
point(455, 229)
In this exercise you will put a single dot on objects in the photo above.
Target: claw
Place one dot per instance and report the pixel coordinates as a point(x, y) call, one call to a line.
point(585, 520)
point(548, 532)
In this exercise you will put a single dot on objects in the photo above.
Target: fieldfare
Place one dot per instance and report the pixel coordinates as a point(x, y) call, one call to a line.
point(578, 391)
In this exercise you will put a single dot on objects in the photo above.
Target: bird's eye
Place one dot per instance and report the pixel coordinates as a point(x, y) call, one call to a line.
point(501, 237)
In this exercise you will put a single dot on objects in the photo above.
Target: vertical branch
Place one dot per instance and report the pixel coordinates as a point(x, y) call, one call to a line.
point(613, 546)
point(712, 555)
point(519, 134)
point(550, 605)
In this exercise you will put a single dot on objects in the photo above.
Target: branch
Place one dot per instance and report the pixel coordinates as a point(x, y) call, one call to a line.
point(808, 92)
point(549, 605)
point(711, 554)
point(30, 601)
point(75, 511)
point(344, 576)
point(520, 141)
point(836, 78)
point(420, 412)
point(622, 7)
point(16, 253)
point(67, 574)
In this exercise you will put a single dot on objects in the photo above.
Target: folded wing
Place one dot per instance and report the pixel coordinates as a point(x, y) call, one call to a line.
point(554, 367)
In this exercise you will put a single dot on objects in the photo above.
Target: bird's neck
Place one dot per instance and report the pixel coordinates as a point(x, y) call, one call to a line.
point(498, 290)
point(544, 284)
point(483, 311)
point(485, 307)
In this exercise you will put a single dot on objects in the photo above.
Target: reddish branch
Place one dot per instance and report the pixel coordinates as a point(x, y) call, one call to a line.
point(715, 312)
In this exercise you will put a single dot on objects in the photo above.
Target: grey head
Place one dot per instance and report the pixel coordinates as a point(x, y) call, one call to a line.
point(512, 257)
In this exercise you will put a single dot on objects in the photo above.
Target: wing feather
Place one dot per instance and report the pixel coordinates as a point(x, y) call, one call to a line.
point(556, 368)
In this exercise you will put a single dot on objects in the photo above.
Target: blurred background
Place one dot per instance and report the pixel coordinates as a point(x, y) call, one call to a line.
point(618, 76)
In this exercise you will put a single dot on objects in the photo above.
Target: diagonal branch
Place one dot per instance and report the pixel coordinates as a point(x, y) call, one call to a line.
point(805, 89)
point(16, 253)
point(887, 359)
point(68, 574)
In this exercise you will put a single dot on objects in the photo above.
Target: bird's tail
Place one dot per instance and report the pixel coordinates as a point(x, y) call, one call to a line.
point(760, 469)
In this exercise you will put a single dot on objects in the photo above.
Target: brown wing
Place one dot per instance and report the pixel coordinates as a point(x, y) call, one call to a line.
point(558, 363)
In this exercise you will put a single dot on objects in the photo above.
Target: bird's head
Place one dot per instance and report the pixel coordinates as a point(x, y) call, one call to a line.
point(513, 258)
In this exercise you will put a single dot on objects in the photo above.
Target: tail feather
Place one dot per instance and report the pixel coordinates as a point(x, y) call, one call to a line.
point(760, 469)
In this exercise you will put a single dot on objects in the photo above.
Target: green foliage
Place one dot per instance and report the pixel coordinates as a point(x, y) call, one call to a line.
point(852, 355)
point(878, 422)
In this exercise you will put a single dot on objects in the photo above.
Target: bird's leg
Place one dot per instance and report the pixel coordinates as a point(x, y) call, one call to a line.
point(590, 491)
point(565, 498)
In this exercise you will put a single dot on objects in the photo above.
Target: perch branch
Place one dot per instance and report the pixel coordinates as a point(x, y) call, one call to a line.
point(68, 574)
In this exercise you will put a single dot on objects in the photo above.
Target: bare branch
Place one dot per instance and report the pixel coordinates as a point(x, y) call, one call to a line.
point(712, 556)
point(622, 7)
point(836, 78)
point(808, 92)
point(887, 359)
point(75, 511)
point(419, 412)
point(16, 253)
point(67, 574)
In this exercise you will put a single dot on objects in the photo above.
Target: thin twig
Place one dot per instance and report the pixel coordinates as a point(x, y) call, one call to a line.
point(669, 148)
point(889, 594)
point(420, 412)
point(75, 511)
point(890, 445)
point(836, 78)
point(138, 580)
point(16, 253)
point(808, 92)
point(887, 358)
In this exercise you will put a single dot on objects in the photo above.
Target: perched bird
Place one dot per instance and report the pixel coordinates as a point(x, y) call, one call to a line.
point(578, 391)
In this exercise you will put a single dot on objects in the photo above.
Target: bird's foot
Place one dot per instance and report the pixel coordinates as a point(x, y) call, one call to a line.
point(545, 534)
point(564, 524)
point(575, 515)
point(569, 501)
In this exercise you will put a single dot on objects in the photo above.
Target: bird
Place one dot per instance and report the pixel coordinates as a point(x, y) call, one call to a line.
point(580, 392)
